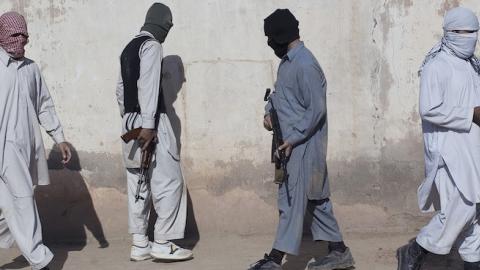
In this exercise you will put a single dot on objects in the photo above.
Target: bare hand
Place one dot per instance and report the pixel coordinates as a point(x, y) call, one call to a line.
point(476, 115)
point(66, 152)
point(267, 123)
point(287, 147)
point(146, 137)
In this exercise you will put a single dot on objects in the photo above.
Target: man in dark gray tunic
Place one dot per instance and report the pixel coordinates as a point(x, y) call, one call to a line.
point(300, 101)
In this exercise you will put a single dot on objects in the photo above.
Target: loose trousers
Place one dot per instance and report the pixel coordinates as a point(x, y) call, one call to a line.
point(166, 190)
point(290, 227)
point(20, 223)
point(456, 224)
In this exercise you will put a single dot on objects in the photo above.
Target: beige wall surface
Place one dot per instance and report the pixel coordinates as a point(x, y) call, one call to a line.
point(370, 51)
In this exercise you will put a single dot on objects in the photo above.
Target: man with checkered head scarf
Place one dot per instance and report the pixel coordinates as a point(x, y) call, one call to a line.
point(141, 103)
point(450, 113)
point(25, 105)
point(13, 34)
point(300, 101)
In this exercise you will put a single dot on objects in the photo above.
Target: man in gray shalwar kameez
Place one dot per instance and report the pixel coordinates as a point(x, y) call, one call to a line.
point(449, 107)
point(300, 100)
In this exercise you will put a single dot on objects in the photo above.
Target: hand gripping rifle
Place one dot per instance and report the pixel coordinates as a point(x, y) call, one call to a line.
point(146, 160)
point(278, 156)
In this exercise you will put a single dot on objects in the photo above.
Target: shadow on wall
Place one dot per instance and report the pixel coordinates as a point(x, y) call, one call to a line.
point(66, 209)
point(173, 78)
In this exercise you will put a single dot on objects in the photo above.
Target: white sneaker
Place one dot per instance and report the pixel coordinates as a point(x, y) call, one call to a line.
point(138, 253)
point(168, 251)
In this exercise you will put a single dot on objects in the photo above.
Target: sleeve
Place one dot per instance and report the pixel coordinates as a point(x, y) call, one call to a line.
point(120, 94)
point(149, 81)
point(433, 109)
point(312, 85)
point(47, 115)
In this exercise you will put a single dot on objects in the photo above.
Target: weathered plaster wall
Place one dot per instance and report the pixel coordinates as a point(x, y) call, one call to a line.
point(370, 51)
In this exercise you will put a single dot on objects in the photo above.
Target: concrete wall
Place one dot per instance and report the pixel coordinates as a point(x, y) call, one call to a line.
point(370, 51)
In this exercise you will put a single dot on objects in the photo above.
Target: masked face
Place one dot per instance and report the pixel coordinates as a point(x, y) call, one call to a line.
point(281, 28)
point(15, 45)
point(13, 34)
point(158, 21)
point(279, 49)
point(463, 44)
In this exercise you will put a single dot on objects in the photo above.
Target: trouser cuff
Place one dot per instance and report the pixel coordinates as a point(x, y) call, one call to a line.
point(426, 244)
point(45, 262)
point(169, 236)
point(471, 258)
point(328, 239)
point(285, 248)
point(139, 230)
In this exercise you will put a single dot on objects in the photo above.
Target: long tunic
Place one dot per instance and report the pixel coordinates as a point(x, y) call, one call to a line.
point(25, 104)
point(300, 101)
point(449, 91)
point(149, 87)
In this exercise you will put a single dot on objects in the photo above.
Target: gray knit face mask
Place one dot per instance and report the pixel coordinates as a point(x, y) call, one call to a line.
point(158, 21)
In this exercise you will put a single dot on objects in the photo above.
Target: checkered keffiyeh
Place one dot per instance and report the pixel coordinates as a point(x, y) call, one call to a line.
point(13, 34)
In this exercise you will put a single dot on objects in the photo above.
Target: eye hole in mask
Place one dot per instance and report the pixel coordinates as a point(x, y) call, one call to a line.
point(464, 31)
point(19, 34)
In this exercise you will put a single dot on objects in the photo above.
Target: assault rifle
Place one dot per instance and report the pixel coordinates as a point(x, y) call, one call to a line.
point(279, 158)
point(146, 160)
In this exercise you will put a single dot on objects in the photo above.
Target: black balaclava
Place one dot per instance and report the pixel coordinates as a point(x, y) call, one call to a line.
point(158, 21)
point(281, 28)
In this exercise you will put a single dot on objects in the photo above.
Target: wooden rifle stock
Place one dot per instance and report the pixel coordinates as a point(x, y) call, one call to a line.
point(131, 135)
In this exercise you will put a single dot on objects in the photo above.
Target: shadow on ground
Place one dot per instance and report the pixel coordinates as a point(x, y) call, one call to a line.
point(66, 212)
point(66, 209)
point(312, 249)
point(16, 263)
point(308, 250)
point(452, 261)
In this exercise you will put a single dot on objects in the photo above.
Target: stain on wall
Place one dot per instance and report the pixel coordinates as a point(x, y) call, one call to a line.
point(56, 10)
point(446, 5)
point(391, 11)
point(20, 5)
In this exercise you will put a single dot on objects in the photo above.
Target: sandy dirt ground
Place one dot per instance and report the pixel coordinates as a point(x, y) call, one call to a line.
point(213, 252)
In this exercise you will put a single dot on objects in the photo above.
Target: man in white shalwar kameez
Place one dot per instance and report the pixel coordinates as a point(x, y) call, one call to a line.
point(25, 105)
point(142, 105)
point(450, 112)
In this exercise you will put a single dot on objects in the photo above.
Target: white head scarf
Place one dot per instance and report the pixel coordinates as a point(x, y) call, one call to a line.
point(461, 45)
